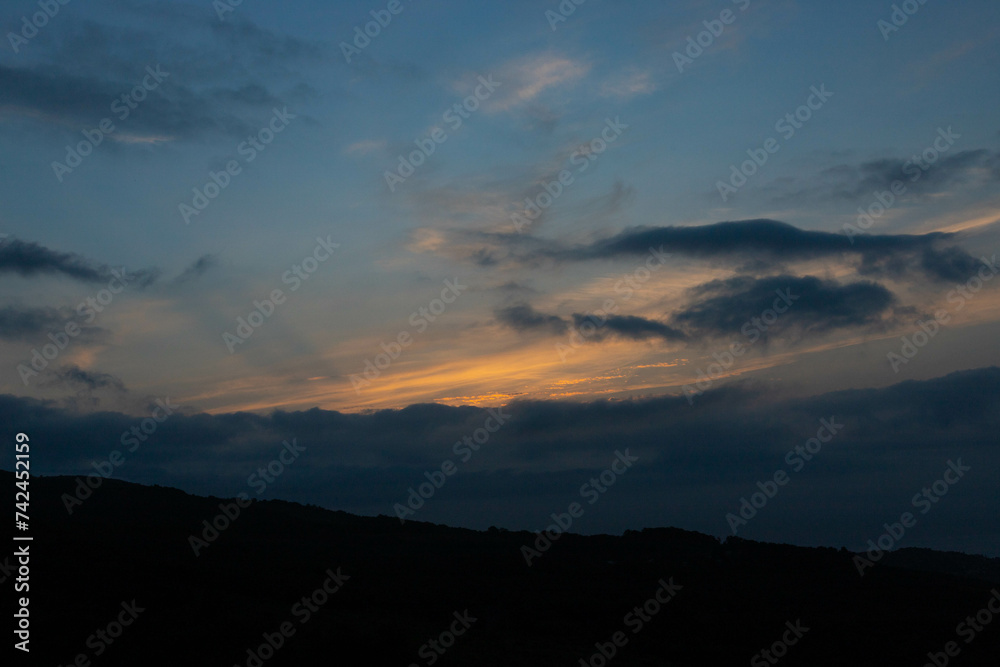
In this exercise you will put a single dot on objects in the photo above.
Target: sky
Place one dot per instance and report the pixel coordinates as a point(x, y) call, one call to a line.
point(692, 229)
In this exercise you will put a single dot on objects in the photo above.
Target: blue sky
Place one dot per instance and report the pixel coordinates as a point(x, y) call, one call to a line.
point(231, 75)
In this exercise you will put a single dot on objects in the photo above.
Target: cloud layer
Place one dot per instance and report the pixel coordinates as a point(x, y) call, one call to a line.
point(763, 240)
point(805, 305)
point(695, 462)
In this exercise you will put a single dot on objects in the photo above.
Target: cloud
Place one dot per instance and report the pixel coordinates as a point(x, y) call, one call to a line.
point(29, 259)
point(810, 305)
point(69, 101)
point(197, 269)
point(853, 182)
point(524, 317)
point(694, 464)
point(525, 80)
point(366, 146)
point(805, 305)
point(32, 324)
point(218, 83)
point(512, 286)
point(626, 85)
point(75, 376)
point(629, 327)
point(893, 254)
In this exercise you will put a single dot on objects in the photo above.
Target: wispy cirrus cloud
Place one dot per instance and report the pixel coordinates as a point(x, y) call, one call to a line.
point(526, 80)
point(628, 84)
point(366, 146)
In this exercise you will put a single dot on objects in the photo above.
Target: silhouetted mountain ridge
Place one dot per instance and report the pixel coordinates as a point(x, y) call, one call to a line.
point(404, 584)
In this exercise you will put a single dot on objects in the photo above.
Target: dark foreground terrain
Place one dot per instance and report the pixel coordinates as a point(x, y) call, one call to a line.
point(425, 594)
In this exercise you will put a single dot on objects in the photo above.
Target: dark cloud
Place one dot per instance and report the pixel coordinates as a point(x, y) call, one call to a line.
point(757, 239)
point(811, 305)
point(629, 327)
point(171, 111)
point(197, 269)
point(863, 181)
point(31, 259)
point(77, 377)
point(220, 81)
point(28, 323)
point(523, 317)
point(593, 328)
point(694, 464)
point(33, 324)
point(952, 264)
point(803, 305)
point(748, 245)
point(743, 237)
